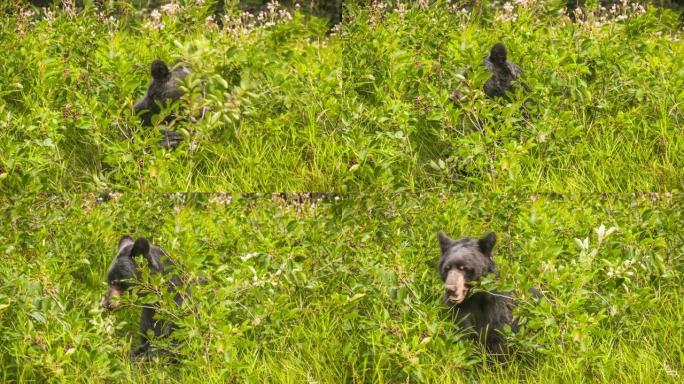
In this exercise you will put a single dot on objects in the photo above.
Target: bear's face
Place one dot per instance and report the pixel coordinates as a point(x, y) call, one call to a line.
point(498, 54)
point(120, 274)
point(124, 271)
point(463, 261)
point(163, 91)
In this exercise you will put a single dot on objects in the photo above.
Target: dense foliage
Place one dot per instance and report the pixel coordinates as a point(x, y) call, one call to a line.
point(290, 108)
point(70, 83)
point(606, 98)
point(345, 289)
point(385, 115)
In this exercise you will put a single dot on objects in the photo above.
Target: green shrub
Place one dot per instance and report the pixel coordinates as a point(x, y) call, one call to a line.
point(344, 290)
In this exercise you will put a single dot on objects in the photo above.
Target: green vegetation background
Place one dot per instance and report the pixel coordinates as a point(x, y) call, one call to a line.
point(367, 108)
point(345, 289)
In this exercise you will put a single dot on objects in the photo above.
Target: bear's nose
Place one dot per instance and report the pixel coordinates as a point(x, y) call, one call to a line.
point(454, 295)
point(107, 304)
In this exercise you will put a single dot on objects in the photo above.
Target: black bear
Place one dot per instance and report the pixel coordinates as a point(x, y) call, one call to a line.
point(503, 73)
point(163, 91)
point(123, 273)
point(484, 314)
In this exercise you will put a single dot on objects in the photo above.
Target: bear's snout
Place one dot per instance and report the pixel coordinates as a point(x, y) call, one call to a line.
point(455, 286)
point(111, 298)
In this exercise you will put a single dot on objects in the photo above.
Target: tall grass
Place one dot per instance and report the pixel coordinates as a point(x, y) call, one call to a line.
point(607, 116)
point(345, 289)
point(366, 108)
point(342, 286)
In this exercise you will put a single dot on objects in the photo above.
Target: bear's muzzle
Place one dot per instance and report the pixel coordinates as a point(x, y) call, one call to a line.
point(111, 298)
point(455, 286)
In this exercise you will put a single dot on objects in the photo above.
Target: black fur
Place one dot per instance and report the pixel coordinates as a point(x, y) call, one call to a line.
point(163, 91)
point(123, 274)
point(504, 73)
point(483, 314)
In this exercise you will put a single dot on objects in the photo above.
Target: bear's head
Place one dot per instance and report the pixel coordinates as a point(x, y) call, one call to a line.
point(498, 54)
point(463, 261)
point(162, 92)
point(123, 271)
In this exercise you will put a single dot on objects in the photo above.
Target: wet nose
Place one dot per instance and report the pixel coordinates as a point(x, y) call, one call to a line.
point(454, 295)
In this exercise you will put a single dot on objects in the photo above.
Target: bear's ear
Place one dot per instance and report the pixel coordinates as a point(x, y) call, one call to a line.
point(124, 241)
point(142, 247)
point(486, 243)
point(444, 242)
point(160, 71)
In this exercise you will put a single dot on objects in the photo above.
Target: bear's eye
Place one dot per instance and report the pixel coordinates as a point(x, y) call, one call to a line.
point(462, 268)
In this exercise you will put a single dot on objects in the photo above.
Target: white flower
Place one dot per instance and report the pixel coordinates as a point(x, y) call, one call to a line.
point(170, 8)
point(602, 232)
point(582, 244)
